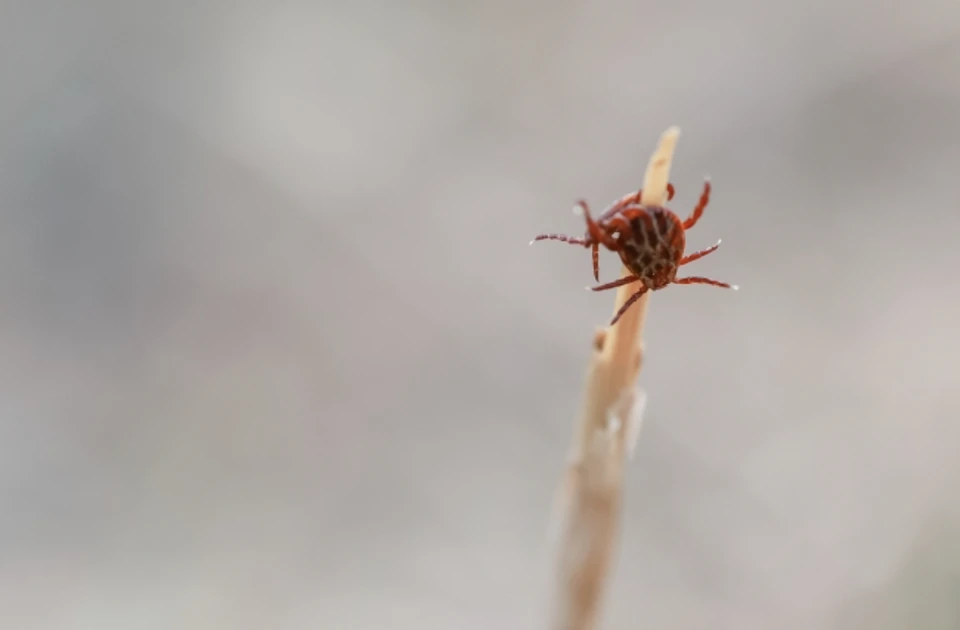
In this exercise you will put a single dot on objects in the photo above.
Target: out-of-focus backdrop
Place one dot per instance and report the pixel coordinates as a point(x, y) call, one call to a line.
point(274, 352)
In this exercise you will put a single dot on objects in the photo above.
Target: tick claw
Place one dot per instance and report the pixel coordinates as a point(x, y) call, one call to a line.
point(735, 287)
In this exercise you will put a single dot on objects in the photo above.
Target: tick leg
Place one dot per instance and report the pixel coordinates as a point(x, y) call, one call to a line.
point(626, 200)
point(698, 210)
point(629, 200)
point(627, 304)
point(613, 229)
point(619, 223)
point(699, 280)
point(560, 237)
point(596, 262)
point(699, 255)
point(615, 283)
point(574, 241)
point(618, 206)
point(597, 234)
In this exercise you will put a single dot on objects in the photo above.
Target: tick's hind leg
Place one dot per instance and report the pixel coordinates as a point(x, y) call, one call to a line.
point(627, 304)
point(698, 210)
point(615, 283)
point(699, 255)
point(699, 280)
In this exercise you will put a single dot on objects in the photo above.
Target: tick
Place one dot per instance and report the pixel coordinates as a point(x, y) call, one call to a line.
point(649, 239)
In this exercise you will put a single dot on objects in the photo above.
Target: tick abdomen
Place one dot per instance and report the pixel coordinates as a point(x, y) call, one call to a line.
point(653, 245)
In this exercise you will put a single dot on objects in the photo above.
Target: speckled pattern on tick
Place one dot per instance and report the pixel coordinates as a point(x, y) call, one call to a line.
point(649, 239)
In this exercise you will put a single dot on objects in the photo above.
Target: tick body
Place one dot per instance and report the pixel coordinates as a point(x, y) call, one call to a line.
point(650, 240)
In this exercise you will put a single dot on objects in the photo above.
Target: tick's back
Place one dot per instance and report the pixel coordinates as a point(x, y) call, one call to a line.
point(654, 245)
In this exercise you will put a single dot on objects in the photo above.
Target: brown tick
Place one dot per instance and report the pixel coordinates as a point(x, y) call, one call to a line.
point(649, 239)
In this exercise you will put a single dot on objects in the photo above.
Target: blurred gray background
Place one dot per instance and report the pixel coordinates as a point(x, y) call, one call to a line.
point(274, 352)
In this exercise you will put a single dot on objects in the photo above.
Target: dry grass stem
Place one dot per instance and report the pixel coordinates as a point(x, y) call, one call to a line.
point(608, 425)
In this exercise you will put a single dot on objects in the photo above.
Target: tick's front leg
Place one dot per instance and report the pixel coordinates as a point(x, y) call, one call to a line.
point(630, 200)
point(698, 210)
point(560, 237)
